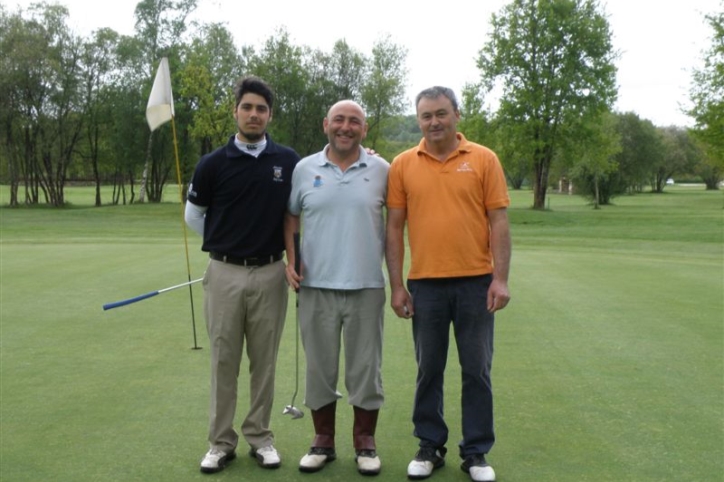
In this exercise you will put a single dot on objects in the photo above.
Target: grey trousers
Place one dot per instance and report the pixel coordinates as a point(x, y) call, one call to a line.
point(328, 317)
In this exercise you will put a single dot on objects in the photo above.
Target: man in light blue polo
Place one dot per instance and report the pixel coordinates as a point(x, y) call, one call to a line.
point(338, 195)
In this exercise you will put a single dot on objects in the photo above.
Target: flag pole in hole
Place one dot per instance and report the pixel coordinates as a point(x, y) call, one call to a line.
point(160, 110)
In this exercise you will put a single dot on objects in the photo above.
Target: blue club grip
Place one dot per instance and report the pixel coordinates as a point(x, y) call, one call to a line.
point(116, 304)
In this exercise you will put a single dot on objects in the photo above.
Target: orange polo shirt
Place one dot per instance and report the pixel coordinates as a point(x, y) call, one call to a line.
point(447, 205)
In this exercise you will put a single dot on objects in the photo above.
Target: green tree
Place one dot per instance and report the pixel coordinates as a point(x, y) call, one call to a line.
point(401, 133)
point(97, 65)
point(595, 158)
point(160, 28)
point(475, 118)
point(73, 108)
point(553, 60)
point(679, 155)
point(347, 71)
point(42, 125)
point(707, 96)
point(128, 96)
point(127, 143)
point(708, 166)
point(481, 126)
point(282, 64)
point(14, 121)
point(383, 92)
point(641, 149)
point(306, 82)
point(212, 66)
point(322, 91)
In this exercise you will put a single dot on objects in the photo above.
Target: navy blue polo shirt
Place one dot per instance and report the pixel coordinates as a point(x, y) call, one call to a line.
point(246, 197)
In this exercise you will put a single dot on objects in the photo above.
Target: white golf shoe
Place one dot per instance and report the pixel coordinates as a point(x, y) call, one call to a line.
point(215, 460)
point(478, 468)
point(368, 463)
point(267, 457)
point(426, 460)
point(316, 459)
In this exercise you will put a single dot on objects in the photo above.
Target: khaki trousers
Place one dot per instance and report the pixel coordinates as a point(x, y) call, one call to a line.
point(243, 304)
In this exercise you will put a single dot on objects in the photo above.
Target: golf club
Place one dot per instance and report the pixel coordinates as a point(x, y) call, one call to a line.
point(291, 409)
point(135, 299)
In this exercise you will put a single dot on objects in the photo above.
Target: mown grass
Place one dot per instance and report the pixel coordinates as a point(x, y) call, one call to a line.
point(609, 360)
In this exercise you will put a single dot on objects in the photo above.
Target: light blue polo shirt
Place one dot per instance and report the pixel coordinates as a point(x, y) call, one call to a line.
point(343, 228)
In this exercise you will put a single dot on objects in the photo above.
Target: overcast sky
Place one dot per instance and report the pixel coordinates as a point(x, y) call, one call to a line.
point(660, 41)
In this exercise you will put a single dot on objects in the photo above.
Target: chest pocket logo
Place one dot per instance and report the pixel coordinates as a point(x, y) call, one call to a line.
point(464, 167)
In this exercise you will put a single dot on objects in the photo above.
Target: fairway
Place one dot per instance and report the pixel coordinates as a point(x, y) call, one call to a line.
point(609, 362)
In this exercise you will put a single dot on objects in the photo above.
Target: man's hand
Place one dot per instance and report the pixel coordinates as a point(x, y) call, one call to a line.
point(401, 302)
point(498, 296)
point(293, 278)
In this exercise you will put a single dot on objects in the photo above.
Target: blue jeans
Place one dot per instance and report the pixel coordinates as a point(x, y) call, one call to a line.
point(437, 303)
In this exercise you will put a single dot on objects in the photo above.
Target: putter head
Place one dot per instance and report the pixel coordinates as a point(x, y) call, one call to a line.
point(293, 411)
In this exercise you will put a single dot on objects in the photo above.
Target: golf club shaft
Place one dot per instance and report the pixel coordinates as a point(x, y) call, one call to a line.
point(135, 299)
point(297, 255)
point(297, 268)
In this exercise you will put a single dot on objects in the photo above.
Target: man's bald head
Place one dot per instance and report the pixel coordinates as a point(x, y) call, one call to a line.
point(346, 105)
point(346, 128)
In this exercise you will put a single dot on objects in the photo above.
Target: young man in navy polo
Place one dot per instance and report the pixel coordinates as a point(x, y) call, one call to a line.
point(236, 201)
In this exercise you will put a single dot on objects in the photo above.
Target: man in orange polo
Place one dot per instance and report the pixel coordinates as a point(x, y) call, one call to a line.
point(452, 195)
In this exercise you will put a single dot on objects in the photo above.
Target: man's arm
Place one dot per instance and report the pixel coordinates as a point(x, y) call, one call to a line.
point(194, 217)
point(291, 226)
point(395, 255)
point(500, 244)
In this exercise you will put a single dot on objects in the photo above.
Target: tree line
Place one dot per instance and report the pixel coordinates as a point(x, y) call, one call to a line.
point(73, 108)
point(554, 62)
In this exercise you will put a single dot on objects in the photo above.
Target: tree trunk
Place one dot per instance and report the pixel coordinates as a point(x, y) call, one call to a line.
point(14, 181)
point(711, 184)
point(144, 177)
point(94, 164)
point(596, 201)
point(540, 183)
point(142, 191)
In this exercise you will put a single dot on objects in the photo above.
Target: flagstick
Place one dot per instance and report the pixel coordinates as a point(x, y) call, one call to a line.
point(183, 224)
point(159, 110)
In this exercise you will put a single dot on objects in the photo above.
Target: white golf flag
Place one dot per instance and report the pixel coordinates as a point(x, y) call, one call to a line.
point(160, 104)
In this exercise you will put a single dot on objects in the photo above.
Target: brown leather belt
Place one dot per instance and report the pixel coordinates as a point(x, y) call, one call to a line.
point(251, 261)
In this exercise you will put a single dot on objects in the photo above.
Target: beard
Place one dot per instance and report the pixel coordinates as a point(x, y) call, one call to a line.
point(252, 137)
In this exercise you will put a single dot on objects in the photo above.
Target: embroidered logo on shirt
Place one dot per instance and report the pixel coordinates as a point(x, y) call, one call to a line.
point(317, 181)
point(278, 174)
point(464, 167)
